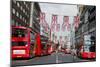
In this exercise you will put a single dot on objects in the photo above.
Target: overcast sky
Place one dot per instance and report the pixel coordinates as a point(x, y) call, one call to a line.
point(60, 10)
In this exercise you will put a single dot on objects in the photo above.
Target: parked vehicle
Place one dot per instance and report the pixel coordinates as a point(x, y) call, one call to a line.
point(87, 50)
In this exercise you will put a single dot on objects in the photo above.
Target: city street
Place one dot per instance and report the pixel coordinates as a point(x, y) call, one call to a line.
point(50, 59)
point(40, 29)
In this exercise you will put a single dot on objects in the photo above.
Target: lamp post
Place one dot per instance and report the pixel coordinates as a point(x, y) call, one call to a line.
point(72, 40)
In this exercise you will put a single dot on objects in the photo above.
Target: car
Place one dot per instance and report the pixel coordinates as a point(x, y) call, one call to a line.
point(67, 51)
point(73, 51)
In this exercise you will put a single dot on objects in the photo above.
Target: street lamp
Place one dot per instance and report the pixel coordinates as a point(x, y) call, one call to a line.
point(72, 42)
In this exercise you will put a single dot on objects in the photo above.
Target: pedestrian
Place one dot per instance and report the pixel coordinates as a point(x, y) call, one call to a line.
point(57, 45)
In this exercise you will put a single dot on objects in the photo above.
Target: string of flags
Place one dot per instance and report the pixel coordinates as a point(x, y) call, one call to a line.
point(55, 26)
point(76, 21)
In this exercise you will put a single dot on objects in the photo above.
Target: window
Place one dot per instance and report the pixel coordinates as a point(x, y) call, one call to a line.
point(12, 22)
point(21, 8)
point(18, 4)
point(24, 10)
point(32, 35)
point(23, 18)
point(17, 14)
point(26, 13)
point(20, 16)
point(24, 2)
point(19, 32)
point(13, 10)
point(14, 1)
point(86, 17)
point(26, 6)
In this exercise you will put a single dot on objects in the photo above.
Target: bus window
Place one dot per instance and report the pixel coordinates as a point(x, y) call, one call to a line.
point(20, 43)
point(86, 48)
point(19, 32)
point(32, 36)
point(92, 49)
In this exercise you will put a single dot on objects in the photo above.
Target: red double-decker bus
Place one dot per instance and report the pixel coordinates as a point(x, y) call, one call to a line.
point(44, 46)
point(25, 44)
point(88, 49)
point(49, 49)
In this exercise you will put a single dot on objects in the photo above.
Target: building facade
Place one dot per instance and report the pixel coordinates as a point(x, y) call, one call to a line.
point(25, 14)
point(35, 15)
point(20, 13)
point(45, 35)
point(87, 24)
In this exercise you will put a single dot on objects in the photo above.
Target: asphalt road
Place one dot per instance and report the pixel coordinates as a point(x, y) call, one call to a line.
point(49, 59)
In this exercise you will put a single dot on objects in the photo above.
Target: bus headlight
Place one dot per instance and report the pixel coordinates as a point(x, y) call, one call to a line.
point(26, 45)
point(18, 51)
point(94, 55)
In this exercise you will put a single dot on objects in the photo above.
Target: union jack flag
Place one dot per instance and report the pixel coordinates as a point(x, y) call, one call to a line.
point(66, 23)
point(42, 18)
point(58, 27)
point(76, 21)
point(46, 26)
point(54, 22)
